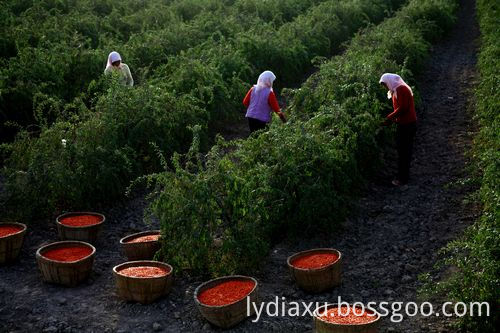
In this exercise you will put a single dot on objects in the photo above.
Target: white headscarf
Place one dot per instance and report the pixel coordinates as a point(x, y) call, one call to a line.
point(393, 81)
point(266, 79)
point(112, 57)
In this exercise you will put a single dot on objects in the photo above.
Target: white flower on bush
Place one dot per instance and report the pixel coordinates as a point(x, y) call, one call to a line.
point(63, 142)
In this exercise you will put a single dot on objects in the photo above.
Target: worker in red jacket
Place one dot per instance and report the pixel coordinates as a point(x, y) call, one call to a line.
point(406, 119)
point(261, 101)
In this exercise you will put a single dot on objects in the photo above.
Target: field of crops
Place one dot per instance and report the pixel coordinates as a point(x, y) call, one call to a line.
point(192, 67)
point(74, 139)
point(299, 177)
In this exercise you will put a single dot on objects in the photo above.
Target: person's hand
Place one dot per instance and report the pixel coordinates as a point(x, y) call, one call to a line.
point(386, 122)
point(282, 117)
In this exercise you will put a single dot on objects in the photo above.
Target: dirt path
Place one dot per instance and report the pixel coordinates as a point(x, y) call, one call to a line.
point(396, 233)
point(392, 237)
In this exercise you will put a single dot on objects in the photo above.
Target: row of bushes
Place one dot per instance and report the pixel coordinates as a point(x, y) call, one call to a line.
point(219, 71)
point(109, 129)
point(220, 212)
point(51, 50)
point(476, 255)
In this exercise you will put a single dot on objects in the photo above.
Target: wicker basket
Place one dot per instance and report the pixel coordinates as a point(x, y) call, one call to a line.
point(10, 245)
point(319, 279)
point(140, 250)
point(65, 273)
point(85, 234)
point(321, 326)
point(226, 316)
point(142, 290)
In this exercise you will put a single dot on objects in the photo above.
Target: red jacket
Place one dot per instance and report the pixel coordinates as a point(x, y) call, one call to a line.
point(404, 107)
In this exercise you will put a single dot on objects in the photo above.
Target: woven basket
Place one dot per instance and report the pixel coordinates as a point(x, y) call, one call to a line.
point(142, 290)
point(321, 326)
point(226, 316)
point(65, 273)
point(317, 280)
point(140, 250)
point(10, 245)
point(88, 234)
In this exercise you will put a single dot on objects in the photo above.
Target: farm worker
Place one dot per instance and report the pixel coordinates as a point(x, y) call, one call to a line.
point(406, 119)
point(260, 101)
point(115, 65)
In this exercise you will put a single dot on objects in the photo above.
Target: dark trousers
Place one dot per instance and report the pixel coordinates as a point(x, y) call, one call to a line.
point(405, 134)
point(256, 124)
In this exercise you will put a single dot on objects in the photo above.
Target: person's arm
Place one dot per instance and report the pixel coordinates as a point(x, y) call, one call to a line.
point(402, 102)
point(246, 100)
point(130, 79)
point(273, 102)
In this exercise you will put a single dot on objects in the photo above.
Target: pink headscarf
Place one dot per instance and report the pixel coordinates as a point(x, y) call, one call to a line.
point(393, 81)
point(112, 57)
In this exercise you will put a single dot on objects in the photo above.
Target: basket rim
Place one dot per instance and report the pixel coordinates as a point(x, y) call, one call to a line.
point(329, 305)
point(303, 253)
point(40, 256)
point(126, 239)
point(198, 289)
point(80, 213)
point(17, 233)
point(135, 263)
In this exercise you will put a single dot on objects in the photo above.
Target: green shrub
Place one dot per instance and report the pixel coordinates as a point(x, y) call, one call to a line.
point(105, 148)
